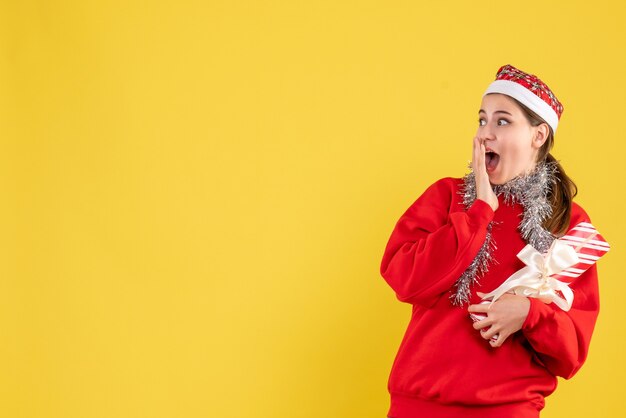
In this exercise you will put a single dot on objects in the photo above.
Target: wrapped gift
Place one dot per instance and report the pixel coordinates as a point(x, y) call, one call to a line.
point(588, 244)
point(548, 276)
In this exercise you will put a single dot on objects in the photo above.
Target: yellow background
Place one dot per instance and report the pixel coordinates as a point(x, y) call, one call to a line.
point(197, 195)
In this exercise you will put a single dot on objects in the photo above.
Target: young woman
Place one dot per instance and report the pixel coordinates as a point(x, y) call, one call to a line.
point(459, 240)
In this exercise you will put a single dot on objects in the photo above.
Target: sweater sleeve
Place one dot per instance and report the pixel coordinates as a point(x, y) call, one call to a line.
point(430, 248)
point(561, 339)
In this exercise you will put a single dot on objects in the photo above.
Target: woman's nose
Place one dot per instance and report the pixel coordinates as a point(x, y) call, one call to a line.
point(486, 132)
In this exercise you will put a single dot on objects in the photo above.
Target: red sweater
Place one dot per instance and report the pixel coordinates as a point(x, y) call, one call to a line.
point(444, 368)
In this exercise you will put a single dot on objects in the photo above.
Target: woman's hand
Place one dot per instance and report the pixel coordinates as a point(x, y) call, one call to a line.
point(483, 187)
point(505, 317)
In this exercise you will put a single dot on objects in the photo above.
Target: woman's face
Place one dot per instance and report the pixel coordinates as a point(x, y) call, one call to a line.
point(511, 142)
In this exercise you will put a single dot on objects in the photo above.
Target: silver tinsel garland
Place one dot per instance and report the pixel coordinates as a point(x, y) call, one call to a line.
point(531, 191)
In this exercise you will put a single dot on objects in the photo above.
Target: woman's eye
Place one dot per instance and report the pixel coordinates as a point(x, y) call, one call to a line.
point(503, 122)
point(481, 122)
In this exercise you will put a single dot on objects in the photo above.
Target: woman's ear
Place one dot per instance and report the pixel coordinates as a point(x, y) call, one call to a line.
point(541, 135)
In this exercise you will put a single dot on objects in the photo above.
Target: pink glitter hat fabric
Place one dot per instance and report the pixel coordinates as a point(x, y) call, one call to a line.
point(532, 83)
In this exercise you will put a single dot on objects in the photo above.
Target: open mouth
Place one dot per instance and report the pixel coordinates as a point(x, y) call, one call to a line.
point(491, 160)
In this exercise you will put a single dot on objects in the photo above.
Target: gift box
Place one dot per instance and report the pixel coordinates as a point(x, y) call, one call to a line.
point(548, 276)
point(588, 244)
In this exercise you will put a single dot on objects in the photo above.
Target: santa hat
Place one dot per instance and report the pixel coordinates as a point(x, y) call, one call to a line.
point(529, 90)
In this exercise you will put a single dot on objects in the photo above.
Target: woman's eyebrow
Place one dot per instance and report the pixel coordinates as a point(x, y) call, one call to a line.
point(497, 111)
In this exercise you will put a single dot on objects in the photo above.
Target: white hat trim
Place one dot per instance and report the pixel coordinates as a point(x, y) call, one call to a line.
point(527, 98)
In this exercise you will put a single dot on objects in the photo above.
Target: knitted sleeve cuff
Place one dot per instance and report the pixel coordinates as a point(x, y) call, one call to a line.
point(537, 312)
point(480, 213)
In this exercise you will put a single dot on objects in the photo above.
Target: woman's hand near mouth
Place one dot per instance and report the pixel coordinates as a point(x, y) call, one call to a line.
point(483, 187)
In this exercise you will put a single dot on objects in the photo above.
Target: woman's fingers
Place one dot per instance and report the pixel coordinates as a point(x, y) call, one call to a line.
point(482, 169)
point(474, 154)
point(483, 186)
point(485, 323)
point(479, 157)
point(498, 339)
point(493, 330)
point(479, 307)
point(504, 319)
point(478, 154)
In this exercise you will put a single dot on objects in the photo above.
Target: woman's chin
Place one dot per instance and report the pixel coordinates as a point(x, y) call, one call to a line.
point(494, 178)
point(498, 179)
point(497, 176)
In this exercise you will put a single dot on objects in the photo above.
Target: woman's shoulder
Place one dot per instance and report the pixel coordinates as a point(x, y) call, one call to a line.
point(578, 214)
point(445, 187)
point(453, 184)
point(442, 193)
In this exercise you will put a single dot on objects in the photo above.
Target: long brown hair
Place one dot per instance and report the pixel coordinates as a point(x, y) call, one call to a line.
point(563, 190)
